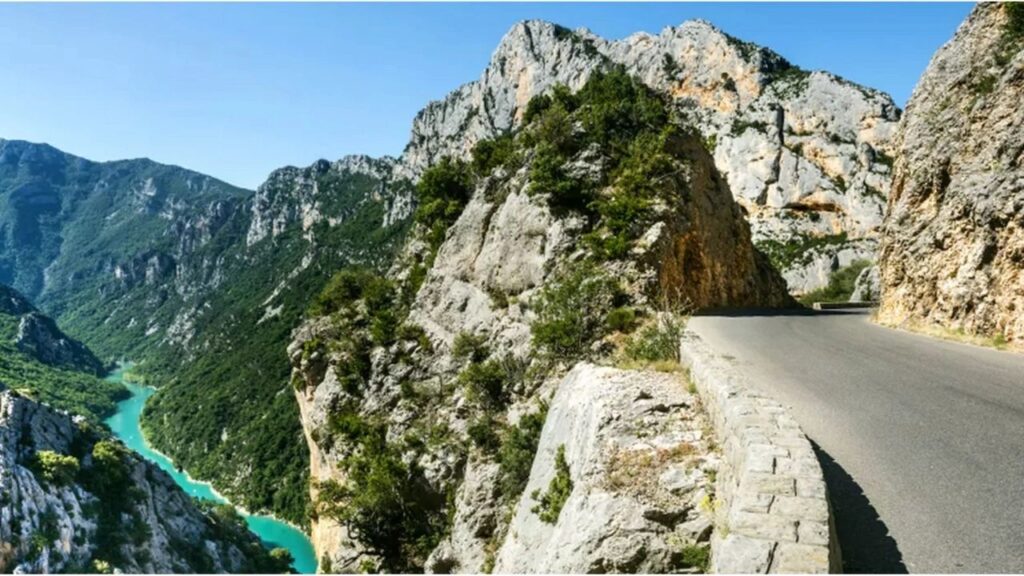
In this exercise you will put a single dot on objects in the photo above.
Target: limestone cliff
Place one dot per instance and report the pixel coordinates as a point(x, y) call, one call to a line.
point(424, 391)
point(807, 154)
point(71, 502)
point(953, 249)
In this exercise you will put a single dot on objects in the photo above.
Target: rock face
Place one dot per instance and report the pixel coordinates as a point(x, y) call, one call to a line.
point(61, 524)
point(639, 466)
point(807, 155)
point(420, 399)
point(953, 249)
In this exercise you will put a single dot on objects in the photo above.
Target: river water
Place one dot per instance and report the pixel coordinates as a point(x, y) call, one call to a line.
point(274, 533)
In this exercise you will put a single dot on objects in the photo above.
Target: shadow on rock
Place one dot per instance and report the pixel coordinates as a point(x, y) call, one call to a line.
point(864, 539)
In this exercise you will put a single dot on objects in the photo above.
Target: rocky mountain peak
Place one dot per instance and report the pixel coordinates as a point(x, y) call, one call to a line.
point(805, 153)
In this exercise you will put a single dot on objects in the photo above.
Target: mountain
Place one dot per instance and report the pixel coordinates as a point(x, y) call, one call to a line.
point(807, 154)
point(201, 283)
point(39, 360)
point(72, 501)
point(953, 247)
point(423, 392)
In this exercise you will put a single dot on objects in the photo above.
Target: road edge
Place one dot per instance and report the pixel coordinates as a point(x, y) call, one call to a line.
point(771, 506)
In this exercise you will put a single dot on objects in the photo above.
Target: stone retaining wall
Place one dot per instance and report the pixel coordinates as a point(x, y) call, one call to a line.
point(771, 507)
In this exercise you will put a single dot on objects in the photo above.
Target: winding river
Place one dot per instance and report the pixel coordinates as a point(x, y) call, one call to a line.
point(125, 425)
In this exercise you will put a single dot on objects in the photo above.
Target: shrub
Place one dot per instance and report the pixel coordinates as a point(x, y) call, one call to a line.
point(468, 346)
point(341, 290)
point(492, 153)
point(384, 503)
point(54, 468)
point(1015, 19)
point(550, 504)
point(485, 383)
point(515, 457)
point(282, 560)
point(615, 107)
point(621, 319)
point(656, 342)
point(695, 556)
point(484, 433)
point(443, 191)
point(548, 176)
point(571, 311)
point(840, 286)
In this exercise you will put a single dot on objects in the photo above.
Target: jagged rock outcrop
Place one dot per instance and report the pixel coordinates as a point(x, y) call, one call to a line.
point(294, 196)
point(85, 504)
point(634, 450)
point(39, 337)
point(807, 155)
point(953, 250)
point(489, 283)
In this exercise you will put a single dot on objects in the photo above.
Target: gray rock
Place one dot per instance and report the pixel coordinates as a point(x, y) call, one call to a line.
point(619, 517)
point(954, 235)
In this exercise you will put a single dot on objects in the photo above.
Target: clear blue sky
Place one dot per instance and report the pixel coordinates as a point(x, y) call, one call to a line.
point(237, 90)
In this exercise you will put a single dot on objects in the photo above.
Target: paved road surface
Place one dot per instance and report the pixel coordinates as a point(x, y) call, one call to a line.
point(922, 440)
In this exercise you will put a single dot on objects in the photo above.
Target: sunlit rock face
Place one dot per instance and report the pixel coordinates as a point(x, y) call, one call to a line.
point(953, 250)
point(807, 154)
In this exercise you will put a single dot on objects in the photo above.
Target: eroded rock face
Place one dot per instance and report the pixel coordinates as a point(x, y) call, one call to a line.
point(807, 155)
point(505, 247)
point(638, 462)
point(953, 250)
point(48, 526)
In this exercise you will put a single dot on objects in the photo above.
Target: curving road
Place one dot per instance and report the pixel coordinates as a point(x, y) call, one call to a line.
point(922, 440)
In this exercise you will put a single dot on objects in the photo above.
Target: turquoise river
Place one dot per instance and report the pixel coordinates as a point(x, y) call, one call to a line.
point(274, 533)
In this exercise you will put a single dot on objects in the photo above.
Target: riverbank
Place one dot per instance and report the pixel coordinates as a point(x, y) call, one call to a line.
point(272, 531)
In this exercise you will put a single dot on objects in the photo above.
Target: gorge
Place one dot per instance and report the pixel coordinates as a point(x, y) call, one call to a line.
point(422, 361)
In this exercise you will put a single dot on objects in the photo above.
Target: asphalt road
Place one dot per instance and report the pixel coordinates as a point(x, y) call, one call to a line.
point(922, 440)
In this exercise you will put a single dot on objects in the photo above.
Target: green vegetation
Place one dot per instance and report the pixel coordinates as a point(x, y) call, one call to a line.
point(656, 344)
point(385, 503)
point(55, 468)
point(984, 85)
point(443, 191)
point(695, 556)
point(65, 388)
point(550, 503)
point(571, 310)
point(840, 284)
point(1015, 20)
point(798, 250)
point(490, 154)
point(109, 479)
point(233, 398)
point(620, 117)
point(515, 457)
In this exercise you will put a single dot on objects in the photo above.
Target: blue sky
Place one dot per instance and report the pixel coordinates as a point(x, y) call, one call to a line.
point(236, 91)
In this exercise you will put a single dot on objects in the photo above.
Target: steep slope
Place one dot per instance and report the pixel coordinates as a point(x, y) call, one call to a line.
point(38, 359)
point(72, 502)
point(200, 284)
point(953, 250)
point(806, 154)
point(117, 252)
point(424, 392)
point(224, 410)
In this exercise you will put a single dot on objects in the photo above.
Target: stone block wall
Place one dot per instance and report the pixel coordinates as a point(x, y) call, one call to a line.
point(771, 505)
